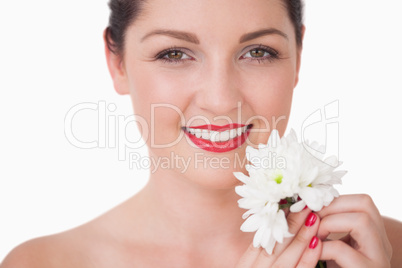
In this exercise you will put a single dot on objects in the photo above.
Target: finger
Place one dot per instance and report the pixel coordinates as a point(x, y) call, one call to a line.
point(293, 253)
point(342, 254)
point(359, 225)
point(312, 254)
point(358, 203)
point(353, 203)
point(249, 257)
point(295, 222)
point(264, 260)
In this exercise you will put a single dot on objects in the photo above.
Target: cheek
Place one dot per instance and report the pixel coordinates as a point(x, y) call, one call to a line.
point(270, 93)
point(160, 98)
point(269, 98)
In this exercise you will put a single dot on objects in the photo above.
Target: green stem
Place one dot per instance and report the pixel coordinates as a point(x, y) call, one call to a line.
point(288, 204)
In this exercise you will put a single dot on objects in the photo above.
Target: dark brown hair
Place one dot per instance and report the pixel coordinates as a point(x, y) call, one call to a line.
point(125, 12)
point(122, 14)
point(295, 11)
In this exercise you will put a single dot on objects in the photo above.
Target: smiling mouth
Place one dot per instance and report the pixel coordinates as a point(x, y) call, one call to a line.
point(218, 139)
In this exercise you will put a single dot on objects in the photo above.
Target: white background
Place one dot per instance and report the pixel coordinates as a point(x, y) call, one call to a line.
point(52, 59)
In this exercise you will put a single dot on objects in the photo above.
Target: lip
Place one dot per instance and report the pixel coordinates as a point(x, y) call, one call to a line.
point(222, 146)
point(219, 128)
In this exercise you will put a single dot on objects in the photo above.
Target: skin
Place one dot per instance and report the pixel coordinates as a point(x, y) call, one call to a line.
point(189, 217)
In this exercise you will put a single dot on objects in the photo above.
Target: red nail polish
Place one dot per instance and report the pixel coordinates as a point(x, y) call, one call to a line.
point(311, 219)
point(305, 207)
point(313, 242)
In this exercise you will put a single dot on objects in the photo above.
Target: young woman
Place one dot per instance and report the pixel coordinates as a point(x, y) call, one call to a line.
point(193, 68)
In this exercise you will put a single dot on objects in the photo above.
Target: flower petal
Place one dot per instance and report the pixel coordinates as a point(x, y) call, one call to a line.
point(259, 236)
point(269, 245)
point(274, 139)
point(252, 223)
point(241, 177)
point(298, 206)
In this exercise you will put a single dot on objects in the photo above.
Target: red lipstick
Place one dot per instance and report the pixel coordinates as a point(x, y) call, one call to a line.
point(218, 139)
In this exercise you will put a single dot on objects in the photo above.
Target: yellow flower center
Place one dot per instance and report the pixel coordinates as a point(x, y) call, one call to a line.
point(278, 178)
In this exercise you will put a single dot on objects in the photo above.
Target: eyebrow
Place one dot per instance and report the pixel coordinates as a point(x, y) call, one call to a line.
point(189, 37)
point(269, 31)
point(192, 38)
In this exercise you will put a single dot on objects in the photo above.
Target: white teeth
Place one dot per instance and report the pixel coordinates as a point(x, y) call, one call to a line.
point(224, 136)
point(205, 134)
point(216, 136)
point(233, 133)
point(198, 133)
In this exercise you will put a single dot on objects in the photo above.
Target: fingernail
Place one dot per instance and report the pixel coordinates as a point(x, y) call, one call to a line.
point(305, 207)
point(311, 218)
point(313, 242)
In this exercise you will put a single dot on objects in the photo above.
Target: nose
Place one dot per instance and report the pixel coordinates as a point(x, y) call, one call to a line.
point(219, 91)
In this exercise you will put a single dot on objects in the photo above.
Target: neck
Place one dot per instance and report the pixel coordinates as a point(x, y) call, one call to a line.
point(178, 208)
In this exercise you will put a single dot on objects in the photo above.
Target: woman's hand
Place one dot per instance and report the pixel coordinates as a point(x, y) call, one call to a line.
point(301, 250)
point(365, 244)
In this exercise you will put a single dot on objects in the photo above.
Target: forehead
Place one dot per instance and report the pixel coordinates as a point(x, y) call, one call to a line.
point(213, 19)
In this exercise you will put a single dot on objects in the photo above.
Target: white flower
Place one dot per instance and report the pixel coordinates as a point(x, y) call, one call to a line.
point(317, 177)
point(283, 169)
point(271, 226)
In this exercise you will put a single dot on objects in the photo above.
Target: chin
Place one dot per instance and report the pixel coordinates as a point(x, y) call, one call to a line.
point(215, 177)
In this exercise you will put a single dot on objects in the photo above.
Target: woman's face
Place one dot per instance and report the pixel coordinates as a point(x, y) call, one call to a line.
point(194, 64)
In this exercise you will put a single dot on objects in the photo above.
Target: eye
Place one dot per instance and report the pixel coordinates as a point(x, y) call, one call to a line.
point(260, 54)
point(176, 55)
point(257, 53)
point(173, 55)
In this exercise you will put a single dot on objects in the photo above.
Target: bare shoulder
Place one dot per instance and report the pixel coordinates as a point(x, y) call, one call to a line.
point(394, 232)
point(38, 252)
point(74, 248)
point(112, 240)
point(99, 243)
